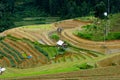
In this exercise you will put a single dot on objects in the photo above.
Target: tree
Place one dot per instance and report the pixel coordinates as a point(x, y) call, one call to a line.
point(84, 8)
point(71, 8)
point(5, 15)
point(54, 7)
point(115, 8)
point(99, 10)
point(42, 4)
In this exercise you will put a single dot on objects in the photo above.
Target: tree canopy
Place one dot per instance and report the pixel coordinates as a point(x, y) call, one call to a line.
point(62, 8)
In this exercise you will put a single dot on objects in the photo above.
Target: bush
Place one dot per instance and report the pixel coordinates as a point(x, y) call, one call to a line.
point(113, 36)
point(85, 66)
point(95, 33)
point(55, 36)
point(85, 35)
point(41, 50)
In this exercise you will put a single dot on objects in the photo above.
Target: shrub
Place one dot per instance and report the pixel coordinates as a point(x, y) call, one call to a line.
point(85, 35)
point(113, 36)
point(55, 36)
point(116, 35)
point(89, 36)
point(95, 33)
point(41, 50)
point(85, 66)
point(113, 64)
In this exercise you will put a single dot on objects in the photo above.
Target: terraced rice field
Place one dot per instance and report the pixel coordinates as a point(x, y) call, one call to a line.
point(68, 34)
point(21, 40)
point(34, 40)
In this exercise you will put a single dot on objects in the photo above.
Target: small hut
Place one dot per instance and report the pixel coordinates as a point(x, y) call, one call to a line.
point(60, 43)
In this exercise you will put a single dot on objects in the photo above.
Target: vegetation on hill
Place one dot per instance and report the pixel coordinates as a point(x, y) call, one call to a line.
point(105, 29)
point(55, 36)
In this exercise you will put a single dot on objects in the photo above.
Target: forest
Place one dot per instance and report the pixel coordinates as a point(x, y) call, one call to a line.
point(13, 10)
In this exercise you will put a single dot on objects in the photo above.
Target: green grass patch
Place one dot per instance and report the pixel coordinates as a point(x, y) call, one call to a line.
point(51, 68)
point(85, 35)
point(86, 66)
point(55, 36)
point(111, 36)
point(47, 69)
point(52, 51)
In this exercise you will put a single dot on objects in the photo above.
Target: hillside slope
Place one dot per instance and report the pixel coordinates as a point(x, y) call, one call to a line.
point(31, 46)
point(22, 41)
point(70, 26)
point(108, 73)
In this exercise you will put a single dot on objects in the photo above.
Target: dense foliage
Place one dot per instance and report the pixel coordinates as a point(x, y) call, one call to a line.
point(73, 8)
point(6, 10)
point(96, 33)
point(12, 10)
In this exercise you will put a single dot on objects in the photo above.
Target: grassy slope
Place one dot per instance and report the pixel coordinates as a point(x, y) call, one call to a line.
point(106, 73)
point(48, 69)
